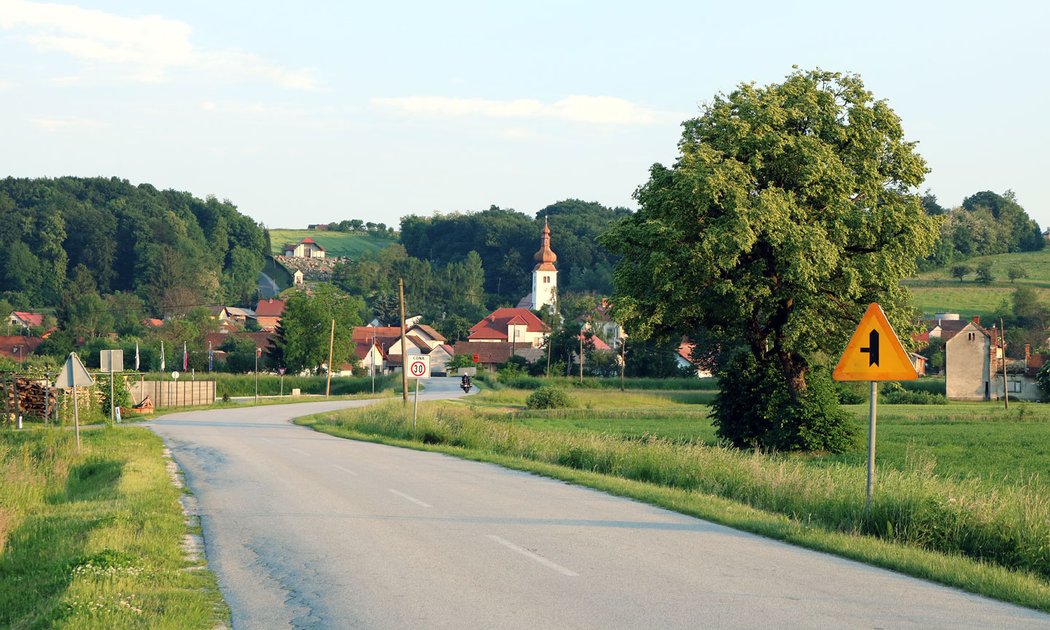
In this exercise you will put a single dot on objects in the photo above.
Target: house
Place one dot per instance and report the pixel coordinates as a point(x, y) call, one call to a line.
point(268, 313)
point(684, 359)
point(544, 276)
point(514, 326)
point(306, 248)
point(18, 347)
point(918, 362)
point(944, 326)
point(976, 367)
point(971, 359)
point(601, 322)
point(298, 279)
point(153, 322)
point(419, 339)
point(25, 320)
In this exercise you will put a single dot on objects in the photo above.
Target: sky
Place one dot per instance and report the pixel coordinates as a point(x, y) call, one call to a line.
point(311, 112)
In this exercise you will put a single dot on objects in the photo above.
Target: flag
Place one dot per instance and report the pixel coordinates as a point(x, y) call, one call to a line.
point(185, 358)
point(210, 357)
point(162, 356)
point(136, 356)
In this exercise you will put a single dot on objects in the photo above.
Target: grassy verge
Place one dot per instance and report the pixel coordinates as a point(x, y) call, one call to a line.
point(958, 532)
point(94, 540)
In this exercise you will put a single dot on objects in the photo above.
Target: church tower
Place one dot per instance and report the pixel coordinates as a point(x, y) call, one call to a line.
point(545, 274)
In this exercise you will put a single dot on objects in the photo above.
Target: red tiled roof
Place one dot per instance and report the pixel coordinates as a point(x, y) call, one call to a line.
point(495, 325)
point(269, 308)
point(32, 319)
point(310, 241)
point(598, 343)
point(152, 323)
point(18, 347)
point(433, 334)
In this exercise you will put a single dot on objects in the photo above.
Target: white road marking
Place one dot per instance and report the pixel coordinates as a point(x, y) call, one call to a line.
point(412, 499)
point(538, 558)
point(303, 453)
point(266, 440)
point(346, 470)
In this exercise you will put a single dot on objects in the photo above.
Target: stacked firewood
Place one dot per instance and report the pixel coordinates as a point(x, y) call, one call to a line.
point(28, 398)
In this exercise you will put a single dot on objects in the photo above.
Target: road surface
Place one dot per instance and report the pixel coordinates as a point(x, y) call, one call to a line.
point(309, 531)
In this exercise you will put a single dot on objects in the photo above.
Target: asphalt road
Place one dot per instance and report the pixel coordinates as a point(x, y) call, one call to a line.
point(310, 531)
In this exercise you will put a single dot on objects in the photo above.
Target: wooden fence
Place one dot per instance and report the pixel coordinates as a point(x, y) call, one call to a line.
point(173, 393)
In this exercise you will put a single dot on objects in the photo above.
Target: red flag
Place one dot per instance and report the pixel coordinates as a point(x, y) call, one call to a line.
point(185, 358)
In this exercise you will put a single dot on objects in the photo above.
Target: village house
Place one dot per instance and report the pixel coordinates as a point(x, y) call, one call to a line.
point(380, 346)
point(977, 369)
point(305, 248)
point(268, 313)
point(25, 320)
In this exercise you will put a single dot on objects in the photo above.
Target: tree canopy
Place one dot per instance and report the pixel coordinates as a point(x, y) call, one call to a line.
point(169, 248)
point(789, 209)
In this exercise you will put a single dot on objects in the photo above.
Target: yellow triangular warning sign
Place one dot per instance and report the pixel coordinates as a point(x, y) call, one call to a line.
point(874, 352)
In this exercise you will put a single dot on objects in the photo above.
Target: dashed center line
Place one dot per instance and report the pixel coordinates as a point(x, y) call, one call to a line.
point(295, 450)
point(533, 556)
point(266, 440)
point(412, 499)
point(346, 470)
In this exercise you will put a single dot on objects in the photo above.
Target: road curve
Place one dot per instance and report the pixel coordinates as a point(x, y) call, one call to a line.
point(309, 531)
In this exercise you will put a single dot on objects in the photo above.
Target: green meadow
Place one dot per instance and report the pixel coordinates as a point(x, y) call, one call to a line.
point(961, 494)
point(938, 292)
point(343, 244)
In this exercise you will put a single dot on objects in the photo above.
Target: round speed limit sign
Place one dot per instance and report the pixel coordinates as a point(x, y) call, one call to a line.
point(419, 367)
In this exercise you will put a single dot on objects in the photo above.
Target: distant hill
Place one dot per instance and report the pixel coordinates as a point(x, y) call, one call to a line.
point(348, 244)
point(937, 291)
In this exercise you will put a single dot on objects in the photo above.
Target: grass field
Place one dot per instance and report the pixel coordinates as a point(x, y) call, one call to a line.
point(94, 540)
point(334, 243)
point(961, 493)
point(938, 292)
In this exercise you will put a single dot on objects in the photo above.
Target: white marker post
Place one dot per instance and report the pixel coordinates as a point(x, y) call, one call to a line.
point(418, 368)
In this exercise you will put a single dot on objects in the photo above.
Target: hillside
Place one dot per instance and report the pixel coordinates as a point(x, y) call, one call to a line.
point(345, 244)
point(937, 291)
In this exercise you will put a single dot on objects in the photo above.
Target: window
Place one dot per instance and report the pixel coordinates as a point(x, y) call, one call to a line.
point(546, 279)
point(971, 336)
point(1015, 387)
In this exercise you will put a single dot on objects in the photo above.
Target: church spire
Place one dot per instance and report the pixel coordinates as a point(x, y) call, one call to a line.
point(545, 257)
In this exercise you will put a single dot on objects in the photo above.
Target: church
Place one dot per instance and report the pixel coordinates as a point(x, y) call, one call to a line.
point(518, 331)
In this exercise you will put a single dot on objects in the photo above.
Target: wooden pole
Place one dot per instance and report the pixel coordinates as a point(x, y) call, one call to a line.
point(623, 359)
point(404, 348)
point(331, 351)
point(1006, 391)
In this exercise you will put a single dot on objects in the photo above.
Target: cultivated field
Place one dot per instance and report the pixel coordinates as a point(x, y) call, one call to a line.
point(938, 292)
point(335, 243)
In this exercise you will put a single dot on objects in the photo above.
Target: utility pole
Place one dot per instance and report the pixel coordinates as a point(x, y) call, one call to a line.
point(1006, 391)
point(404, 347)
point(623, 358)
point(331, 349)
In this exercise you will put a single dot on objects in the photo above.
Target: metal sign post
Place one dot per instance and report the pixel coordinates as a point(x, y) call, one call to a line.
point(72, 376)
point(873, 354)
point(111, 361)
point(419, 368)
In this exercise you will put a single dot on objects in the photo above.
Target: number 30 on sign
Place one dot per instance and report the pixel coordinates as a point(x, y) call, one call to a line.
point(419, 366)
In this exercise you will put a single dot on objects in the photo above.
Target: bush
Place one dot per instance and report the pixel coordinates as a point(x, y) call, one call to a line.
point(895, 394)
point(549, 398)
point(755, 409)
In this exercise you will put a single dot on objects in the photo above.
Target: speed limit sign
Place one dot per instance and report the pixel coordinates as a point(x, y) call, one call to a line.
point(419, 366)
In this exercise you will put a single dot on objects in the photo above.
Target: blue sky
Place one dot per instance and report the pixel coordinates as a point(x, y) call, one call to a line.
point(311, 112)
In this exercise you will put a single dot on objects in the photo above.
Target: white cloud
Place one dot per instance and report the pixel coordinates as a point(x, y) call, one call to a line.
point(147, 47)
point(66, 123)
point(586, 109)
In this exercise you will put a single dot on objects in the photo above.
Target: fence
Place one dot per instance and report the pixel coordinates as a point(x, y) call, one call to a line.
point(173, 393)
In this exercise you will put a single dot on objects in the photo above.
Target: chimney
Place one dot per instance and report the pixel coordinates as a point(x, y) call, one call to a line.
point(977, 319)
point(1027, 356)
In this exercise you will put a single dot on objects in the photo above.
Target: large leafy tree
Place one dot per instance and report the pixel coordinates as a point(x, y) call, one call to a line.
point(789, 209)
point(304, 334)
